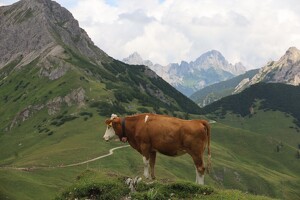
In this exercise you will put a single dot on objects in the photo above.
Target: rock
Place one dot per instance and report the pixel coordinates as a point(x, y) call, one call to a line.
point(76, 97)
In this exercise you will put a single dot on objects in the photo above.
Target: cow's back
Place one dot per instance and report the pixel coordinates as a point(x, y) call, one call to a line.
point(171, 136)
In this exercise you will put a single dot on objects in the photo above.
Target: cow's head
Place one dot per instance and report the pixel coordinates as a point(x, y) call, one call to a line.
point(111, 126)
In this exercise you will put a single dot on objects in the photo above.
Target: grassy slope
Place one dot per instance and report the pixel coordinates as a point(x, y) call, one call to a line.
point(272, 129)
point(90, 184)
point(242, 160)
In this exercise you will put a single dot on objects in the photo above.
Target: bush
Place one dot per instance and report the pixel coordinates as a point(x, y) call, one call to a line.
point(88, 114)
point(61, 119)
point(93, 190)
point(143, 110)
point(106, 109)
point(178, 190)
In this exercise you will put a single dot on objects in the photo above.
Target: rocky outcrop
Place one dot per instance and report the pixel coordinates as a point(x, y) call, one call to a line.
point(37, 27)
point(76, 97)
point(25, 114)
point(53, 67)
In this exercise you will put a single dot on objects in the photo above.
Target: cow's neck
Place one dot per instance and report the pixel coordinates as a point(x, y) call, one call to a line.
point(123, 128)
point(129, 132)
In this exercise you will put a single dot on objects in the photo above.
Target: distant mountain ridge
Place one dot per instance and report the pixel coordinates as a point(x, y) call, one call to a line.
point(286, 70)
point(188, 77)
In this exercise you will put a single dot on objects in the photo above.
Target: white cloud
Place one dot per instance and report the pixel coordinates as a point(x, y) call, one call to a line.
point(252, 32)
point(155, 42)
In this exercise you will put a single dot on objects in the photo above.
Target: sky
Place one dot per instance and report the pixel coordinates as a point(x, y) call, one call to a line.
point(169, 31)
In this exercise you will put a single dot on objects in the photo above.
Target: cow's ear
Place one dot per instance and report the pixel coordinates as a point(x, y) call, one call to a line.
point(108, 122)
point(116, 120)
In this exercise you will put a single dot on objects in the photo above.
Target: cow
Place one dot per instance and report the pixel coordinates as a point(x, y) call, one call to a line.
point(151, 133)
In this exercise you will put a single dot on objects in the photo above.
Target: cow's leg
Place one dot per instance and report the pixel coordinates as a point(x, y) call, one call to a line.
point(200, 169)
point(152, 163)
point(146, 166)
point(145, 150)
point(199, 177)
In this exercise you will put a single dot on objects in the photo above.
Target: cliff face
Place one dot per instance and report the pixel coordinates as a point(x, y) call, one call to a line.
point(38, 28)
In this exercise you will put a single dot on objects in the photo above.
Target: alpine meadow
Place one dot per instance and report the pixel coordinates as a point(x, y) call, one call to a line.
point(57, 88)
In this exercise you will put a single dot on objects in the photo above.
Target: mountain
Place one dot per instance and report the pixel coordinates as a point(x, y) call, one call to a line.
point(136, 59)
point(188, 77)
point(40, 29)
point(162, 71)
point(285, 70)
point(48, 61)
point(219, 90)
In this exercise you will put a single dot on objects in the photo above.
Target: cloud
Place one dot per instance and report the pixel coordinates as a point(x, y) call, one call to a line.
point(155, 42)
point(137, 16)
point(252, 32)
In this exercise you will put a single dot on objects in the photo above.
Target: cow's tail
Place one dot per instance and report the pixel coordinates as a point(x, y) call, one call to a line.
point(208, 165)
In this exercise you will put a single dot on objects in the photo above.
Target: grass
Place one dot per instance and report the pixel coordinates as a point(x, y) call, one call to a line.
point(242, 159)
point(90, 185)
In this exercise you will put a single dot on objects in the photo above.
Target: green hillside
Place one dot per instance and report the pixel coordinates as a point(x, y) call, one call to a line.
point(242, 159)
point(90, 184)
point(219, 90)
point(265, 96)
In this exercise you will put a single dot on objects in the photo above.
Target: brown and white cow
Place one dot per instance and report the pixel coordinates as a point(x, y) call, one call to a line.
point(151, 133)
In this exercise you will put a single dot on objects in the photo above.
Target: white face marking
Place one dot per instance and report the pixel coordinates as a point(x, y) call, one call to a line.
point(109, 133)
point(199, 178)
point(146, 167)
point(146, 118)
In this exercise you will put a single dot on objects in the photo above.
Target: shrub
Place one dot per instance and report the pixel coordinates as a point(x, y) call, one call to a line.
point(61, 119)
point(143, 110)
point(178, 190)
point(93, 190)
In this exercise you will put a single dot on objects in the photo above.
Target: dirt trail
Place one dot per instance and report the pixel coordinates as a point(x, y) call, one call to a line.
point(111, 151)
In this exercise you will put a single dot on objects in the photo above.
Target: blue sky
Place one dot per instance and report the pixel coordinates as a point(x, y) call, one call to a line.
point(164, 31)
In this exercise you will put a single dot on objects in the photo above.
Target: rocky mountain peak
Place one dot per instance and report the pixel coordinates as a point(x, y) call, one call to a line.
point(214, 54)
point(292, 55)
point(210, 59)
point(136, 59)
point(285, 70)
point(215, 60)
